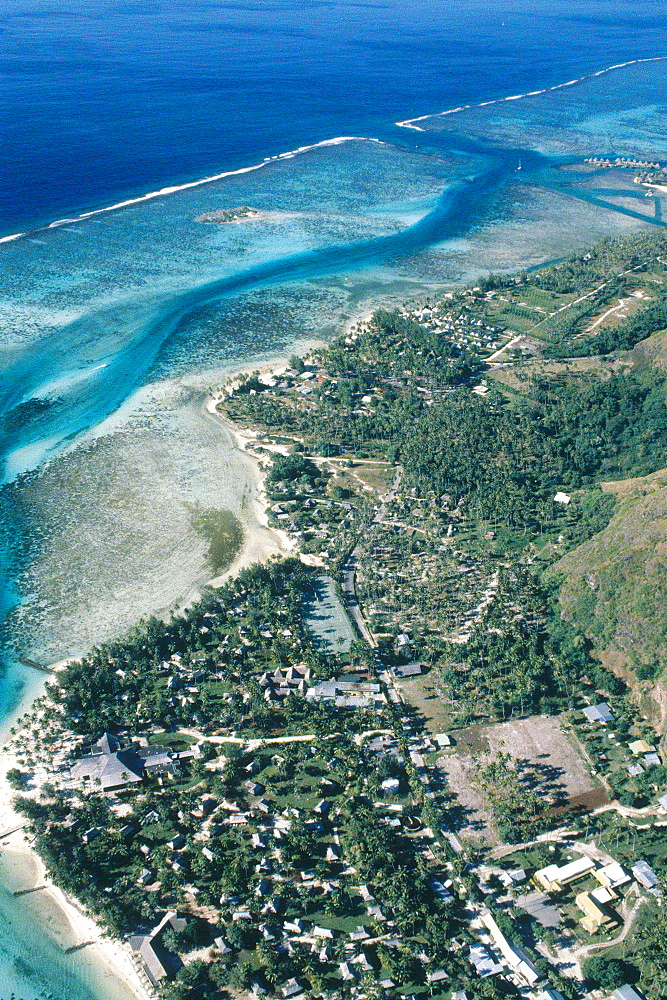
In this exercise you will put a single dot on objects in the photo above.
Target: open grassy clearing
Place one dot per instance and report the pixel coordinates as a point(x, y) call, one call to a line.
point(519, 377)
point(615, 312)
point(430, 707)
point(375, 476)
point(520, 309)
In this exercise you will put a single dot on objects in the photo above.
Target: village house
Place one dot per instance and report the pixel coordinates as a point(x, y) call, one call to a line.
point(483, 962)
point(516, 957)
point(599, 713)
point(612, 875)
point(408, 670)
point(627, 992)
point(537, 905)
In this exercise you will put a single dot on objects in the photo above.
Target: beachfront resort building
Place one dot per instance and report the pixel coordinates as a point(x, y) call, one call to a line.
point(156, 960)
point(109, 765)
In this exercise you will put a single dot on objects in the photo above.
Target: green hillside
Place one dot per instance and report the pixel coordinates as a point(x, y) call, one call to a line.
point(615, 584)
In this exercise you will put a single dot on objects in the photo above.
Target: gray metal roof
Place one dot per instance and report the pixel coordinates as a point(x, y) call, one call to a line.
point(112, 770)
point(627, 992)
point(537, 905)
point(645, 874)
point(599, 713)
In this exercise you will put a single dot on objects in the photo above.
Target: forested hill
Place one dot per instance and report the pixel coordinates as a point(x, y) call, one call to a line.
point(482, 476)
point(495, 399)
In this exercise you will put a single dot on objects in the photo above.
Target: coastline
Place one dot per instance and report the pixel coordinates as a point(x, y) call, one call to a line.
point(62, 918)
point(260, 542)
point(64, 921)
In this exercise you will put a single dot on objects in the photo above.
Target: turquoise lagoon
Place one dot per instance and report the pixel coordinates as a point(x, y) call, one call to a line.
point(116, 325)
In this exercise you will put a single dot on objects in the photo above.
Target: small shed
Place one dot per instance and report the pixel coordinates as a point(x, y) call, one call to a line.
point(645, 875)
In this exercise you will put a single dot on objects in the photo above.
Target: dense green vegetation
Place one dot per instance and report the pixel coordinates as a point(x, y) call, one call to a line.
point(606, 973)
point(602, 262)
point(506, 464)
point(522, 658)
point(249, 837)
point(516, 810)
point(491, 465)
point(221, 644)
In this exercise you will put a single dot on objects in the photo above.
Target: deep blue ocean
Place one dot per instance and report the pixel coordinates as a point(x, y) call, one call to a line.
point(100, 99)
point(115, 324)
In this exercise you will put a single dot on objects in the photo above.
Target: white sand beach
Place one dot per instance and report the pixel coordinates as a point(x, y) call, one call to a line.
point(63, 920)
point(104, 962)
point(260, 542)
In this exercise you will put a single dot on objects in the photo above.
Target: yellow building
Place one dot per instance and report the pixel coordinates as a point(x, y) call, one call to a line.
point(554, 878)
point(641, 746)
point(597, 915)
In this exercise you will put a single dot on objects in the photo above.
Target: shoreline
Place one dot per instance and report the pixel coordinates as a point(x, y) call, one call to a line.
point(260, 541)
point(67, 914)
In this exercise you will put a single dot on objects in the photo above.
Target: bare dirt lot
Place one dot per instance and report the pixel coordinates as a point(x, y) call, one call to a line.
point(547, 761)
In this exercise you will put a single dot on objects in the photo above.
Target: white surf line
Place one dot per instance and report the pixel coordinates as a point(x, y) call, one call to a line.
point(410, 122)
point(175, 188)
